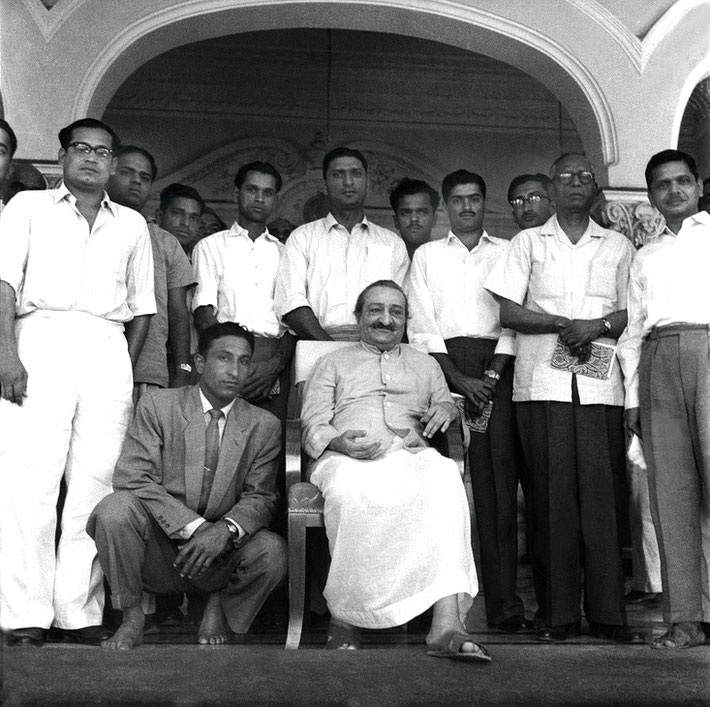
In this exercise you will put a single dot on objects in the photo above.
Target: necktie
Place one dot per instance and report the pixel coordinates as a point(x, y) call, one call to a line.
point(211, 458)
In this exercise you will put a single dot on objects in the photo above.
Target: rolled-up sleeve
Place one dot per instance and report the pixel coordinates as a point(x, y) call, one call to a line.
point(14, 243)
point(319, 409)
point(205, 263)
point(422, 328)
point(140, 283)
point(291, 289)
point(506, 343)
point(511, 275)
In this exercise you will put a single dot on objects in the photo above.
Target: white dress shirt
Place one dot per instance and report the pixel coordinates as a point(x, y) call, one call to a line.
point(188, 531)
point(325, 267)
point(447, 297)
point(669, 284)
point(545, 272)
point(237, 277)
point(54, 261)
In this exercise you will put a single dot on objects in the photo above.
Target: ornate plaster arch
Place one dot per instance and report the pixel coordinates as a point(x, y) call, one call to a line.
point(158, 32)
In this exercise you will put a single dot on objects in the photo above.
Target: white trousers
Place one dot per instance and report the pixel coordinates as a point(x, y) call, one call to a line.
point(71, 425)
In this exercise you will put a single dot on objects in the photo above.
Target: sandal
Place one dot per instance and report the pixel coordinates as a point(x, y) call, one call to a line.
point(683, 635)
point(450, 644)
point(342, 638)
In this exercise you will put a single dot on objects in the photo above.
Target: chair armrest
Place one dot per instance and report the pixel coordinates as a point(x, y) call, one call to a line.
point(293, 453)
point(455, 443)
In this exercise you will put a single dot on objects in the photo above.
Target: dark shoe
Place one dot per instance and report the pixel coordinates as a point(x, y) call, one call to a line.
point(31, 636)
point(515, 624)
point(636, 597)
point(557, 634)
point(89, 635)
point(170, 616)
point(618, 634)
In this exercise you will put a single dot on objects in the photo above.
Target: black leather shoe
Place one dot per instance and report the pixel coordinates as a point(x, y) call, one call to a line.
point(618, 634)
point(557, 634)
point(89, 635)
point(637, 597)
point(31, 636)
point(515, 624)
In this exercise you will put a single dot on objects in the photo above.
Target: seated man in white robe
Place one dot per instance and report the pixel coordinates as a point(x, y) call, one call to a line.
point(396, 512)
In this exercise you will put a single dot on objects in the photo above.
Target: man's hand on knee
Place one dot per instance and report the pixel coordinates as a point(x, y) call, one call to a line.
point(354, 443)
point(208, 542)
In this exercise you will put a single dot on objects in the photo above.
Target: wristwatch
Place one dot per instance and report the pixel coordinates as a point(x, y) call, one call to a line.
point(231, 527)
point(185, 367)
point(607, 325)
point(492, 374)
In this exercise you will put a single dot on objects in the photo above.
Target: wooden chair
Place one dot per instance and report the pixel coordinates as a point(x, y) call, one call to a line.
point(305, 502)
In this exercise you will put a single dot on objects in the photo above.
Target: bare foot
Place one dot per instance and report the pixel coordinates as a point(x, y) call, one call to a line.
point(434, 641)
point(130, 632)
point(214, 630)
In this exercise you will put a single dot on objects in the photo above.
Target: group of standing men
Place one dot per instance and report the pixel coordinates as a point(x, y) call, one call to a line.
point(196, 479)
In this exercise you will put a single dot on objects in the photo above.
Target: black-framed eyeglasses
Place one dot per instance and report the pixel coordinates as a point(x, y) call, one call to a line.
point(584, 176)
point(85, 149)
point(519, 201)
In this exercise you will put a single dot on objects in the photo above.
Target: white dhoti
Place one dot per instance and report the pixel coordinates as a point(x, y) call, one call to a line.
point(399, 533)
point(70, 425)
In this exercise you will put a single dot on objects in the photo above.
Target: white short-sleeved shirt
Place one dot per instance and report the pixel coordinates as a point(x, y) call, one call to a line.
point(237, 276)
point(325, 267)
point(668, 284)
point(545, 272)
point(54, 261)
point(446, 294)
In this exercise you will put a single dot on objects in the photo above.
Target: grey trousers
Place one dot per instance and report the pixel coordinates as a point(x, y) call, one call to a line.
point(136, 555)
point(674, 388)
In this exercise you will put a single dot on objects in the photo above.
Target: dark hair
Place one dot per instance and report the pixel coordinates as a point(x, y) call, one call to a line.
point(177, 191)
point(409, 187)
point(522, 178)
point(666, 156)
point(212, 212)
point(380, 283)
point(217, 331)
point(66, 134)
point(262, 168)
point(134, 149)
point(342, 152)
point(564, 155)
point(461, 176)
point(4, 125)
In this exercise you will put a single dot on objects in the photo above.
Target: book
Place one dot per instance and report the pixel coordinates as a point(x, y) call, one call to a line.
point(598, 365)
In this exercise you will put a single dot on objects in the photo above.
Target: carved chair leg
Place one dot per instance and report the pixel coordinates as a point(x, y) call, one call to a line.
point(296, 578)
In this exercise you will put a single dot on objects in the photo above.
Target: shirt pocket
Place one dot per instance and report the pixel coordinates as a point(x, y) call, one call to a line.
point(547, 279)
point(378, 265)
point(602, 279)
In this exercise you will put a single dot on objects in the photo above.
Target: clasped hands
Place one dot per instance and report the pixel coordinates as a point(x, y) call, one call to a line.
point(578, 334)
point(355, 443)
point(207, 543)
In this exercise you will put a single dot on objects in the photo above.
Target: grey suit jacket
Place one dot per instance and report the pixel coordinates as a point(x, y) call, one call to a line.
point(163, 456)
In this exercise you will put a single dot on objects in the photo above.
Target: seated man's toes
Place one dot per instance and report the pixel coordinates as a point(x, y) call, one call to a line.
point(213, 630)
point(128, 636)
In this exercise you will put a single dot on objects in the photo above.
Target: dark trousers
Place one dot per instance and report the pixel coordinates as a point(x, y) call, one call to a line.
point(496, 461)
point(674, 388)
point(576, 458)
point(136, 555)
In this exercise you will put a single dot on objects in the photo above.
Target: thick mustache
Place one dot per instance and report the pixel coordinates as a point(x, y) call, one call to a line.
point(389, 327)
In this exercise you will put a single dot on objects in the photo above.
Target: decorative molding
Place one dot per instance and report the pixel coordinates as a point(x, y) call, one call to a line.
point(50, 19)
point(629, 212)
point(456, 11)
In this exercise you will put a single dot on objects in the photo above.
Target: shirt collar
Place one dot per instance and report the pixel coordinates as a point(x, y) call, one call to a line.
point(552, 227)
point(373, 349)
point(702, 217)
point(207, 405)
point(485, 236)
point(62, 192)
point(237, 231)
point(331, 221)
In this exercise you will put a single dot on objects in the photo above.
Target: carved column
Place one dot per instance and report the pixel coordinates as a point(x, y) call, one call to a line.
point(629, 211)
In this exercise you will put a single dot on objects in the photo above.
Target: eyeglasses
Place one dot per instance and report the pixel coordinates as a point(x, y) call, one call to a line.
point(532, 199)
point(585, 177)
point(85, 149)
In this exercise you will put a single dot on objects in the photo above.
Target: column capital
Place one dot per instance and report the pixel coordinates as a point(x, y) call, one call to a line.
point(629, 211)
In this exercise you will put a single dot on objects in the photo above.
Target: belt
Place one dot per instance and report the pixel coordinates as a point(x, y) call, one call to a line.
point(658, 332)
